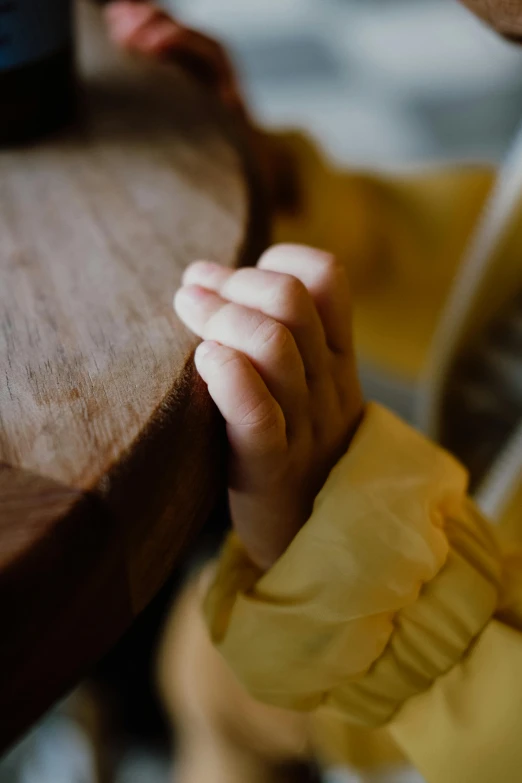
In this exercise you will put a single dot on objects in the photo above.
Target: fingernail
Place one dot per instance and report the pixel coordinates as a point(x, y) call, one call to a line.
point(204, 349)
point(199, 270)
point(188, 295)
point(184, 306)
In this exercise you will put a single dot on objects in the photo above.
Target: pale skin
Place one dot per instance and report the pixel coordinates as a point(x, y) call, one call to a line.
point(278, 360)
point(280, 452)
point(277, 354)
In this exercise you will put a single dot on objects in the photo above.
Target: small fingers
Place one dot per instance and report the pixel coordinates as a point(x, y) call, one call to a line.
point(267, 343)
point(327, 283)
point(207, 274)
point(128, 20)
point(255, 421)
point(279, 296)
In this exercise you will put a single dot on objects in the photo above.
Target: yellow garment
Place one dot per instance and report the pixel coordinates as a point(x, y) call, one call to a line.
point(394, 616)
point(511, 528)
point(401, 239)
point(394, 606)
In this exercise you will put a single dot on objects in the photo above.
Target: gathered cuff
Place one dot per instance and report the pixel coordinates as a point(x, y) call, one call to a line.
point(383, 589)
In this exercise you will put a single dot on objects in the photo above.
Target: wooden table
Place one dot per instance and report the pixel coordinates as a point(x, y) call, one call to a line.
point(110, 451)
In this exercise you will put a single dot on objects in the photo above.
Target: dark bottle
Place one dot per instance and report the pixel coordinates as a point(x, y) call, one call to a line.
point(37, 70)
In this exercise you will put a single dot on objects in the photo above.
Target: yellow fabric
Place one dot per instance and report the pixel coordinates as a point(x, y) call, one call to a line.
point(511, 521)
point(432, 634)
point(393, 606)
point(340, 744)
point(401, 239)
point(467, 726)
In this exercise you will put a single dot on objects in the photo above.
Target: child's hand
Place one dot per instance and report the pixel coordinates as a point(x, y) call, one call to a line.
point(278, 360)
point(143, 28)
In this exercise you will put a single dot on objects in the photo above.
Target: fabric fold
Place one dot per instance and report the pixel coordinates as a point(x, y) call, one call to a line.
point(384, 588)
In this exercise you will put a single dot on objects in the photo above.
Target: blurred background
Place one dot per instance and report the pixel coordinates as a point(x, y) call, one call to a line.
point(381, 84)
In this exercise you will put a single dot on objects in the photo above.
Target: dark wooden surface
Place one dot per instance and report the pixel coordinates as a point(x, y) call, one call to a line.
point(110, 452)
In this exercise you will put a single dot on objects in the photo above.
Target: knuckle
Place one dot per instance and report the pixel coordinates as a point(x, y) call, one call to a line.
point(330, 266)
point(230, 361)
point(333, 276)
point(261, 417)
point(279, 254)
point(290, 296)
point(272, 256)
point(273, 338)
point(293, 291)
point(220, 319)
point(224, 363)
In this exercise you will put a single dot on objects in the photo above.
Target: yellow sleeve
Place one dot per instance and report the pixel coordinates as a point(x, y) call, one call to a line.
point(400, 236)
point(392, 607)
point(467, 726)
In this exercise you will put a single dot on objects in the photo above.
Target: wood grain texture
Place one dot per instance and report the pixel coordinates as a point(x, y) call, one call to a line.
point(110, 451)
